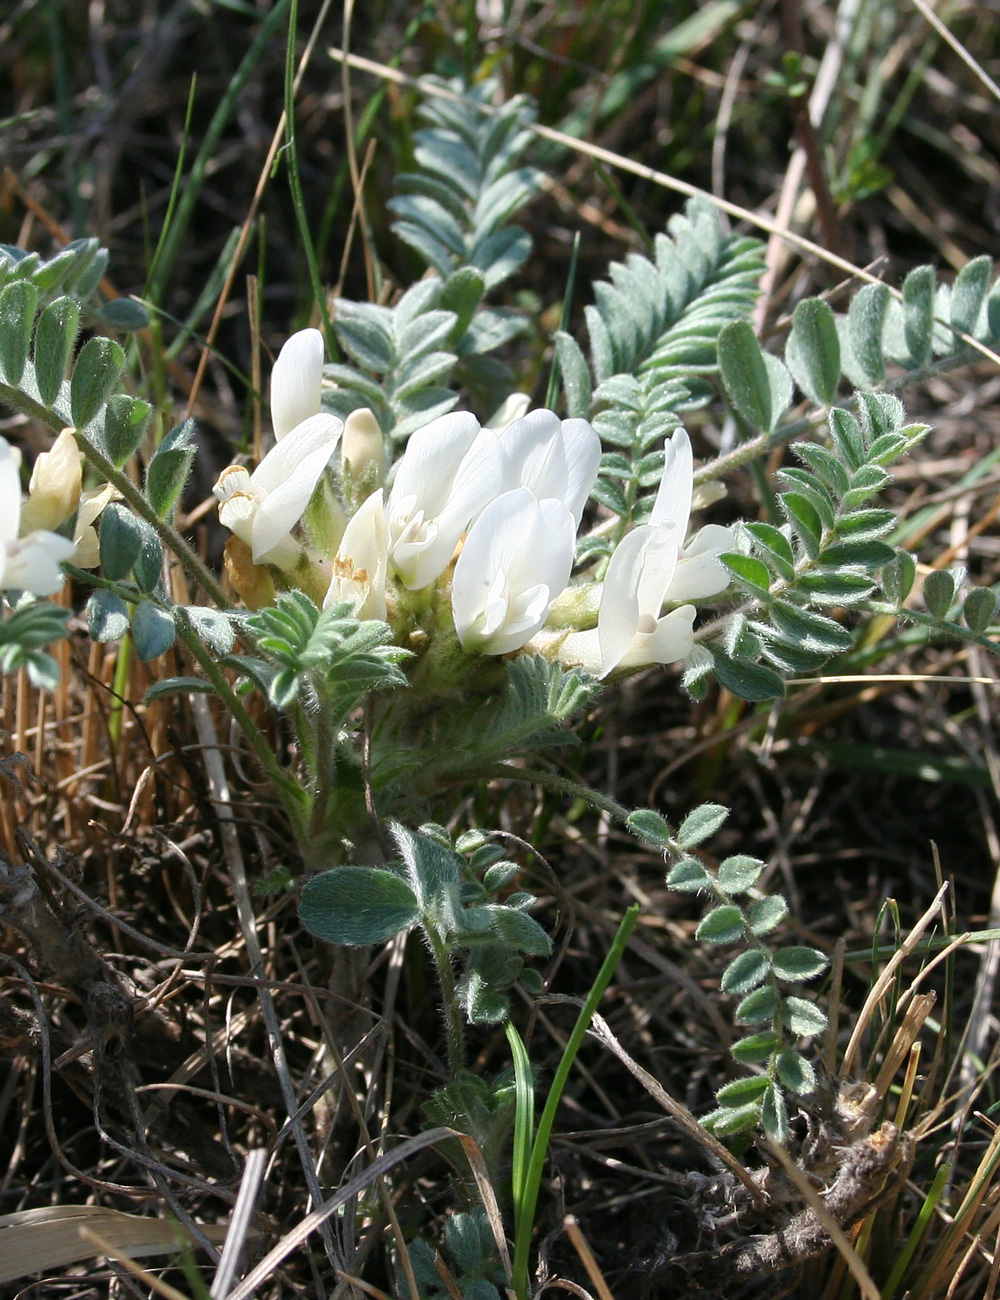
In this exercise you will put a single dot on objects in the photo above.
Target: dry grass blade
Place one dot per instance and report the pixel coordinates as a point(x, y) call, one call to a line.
point(33, 1241)
point(239, 1223)
point(601, 1031)
point(880, 986)
point(582, 1248)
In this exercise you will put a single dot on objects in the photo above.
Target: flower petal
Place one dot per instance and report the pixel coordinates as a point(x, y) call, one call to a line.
point(516, 559)
point(319, 431)
point(296, 381)
point(33, 563)
point(359, 567)
point(282, 508)
point(673, 499)
point(670, 640)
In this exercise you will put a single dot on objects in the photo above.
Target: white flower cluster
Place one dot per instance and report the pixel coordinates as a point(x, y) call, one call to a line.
point(496, 508)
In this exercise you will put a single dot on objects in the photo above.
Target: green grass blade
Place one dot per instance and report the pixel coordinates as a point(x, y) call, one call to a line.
point(524, 1119)
point(522, 1240)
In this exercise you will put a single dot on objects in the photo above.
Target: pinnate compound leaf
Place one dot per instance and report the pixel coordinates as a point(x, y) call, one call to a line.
point(125, 421)
point(723, 924)
point(95, 376)
point(756, 1048)
point(357, 905)
point(939, 592)
point(728, 1121)
point(795, 1072)
point(743, 1091)
point(120, 541)
point(798, 963)
point(18, 303)
point(739, 873)
point(688, 876)
point(650, 827)
point(168, 470)
point(107, 616)
point(153, 631)
point(766, 914)
point(757, 383)
point(774, 1115)
point(758, 1007)
point(749, 572)
point(55, 337)
point(804, 1018)
point(813, 351)
point(746, 972)
point(980, 609)
point(700, 823)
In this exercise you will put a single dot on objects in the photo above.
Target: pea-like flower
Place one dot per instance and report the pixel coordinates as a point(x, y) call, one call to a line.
point(517, 558)
point(359, 567)
point(262, 508)
point(296, 382)
point(450, 470)
point(553, 457)
point(30, 563)
point(651, 567)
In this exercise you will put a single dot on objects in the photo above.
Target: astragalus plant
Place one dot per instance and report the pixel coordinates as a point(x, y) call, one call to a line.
point(426, 584)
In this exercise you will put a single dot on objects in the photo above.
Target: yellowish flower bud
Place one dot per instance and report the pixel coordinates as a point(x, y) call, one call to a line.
point(54, 490)
point(362, 451)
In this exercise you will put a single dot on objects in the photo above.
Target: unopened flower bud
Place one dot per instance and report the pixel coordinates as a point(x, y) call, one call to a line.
point(510, 409)
point(362, 452)
point(54, 490)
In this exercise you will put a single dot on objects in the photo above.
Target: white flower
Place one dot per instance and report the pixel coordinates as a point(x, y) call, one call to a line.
point(699, 573)
point(553, 457)
point(28, 563)
point(262, 508)
point(630, 631)
point(450, 470)
point(359, 567)
point(517, 558)
point(296, 382)
point(651, 567)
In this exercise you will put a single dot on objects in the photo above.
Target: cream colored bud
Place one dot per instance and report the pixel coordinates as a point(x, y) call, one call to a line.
point(706, 494)
point(510, 409)
point(54, 490)
point(362, 449)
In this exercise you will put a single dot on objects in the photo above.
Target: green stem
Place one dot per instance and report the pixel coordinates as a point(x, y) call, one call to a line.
point(295, 800)
point(536, 1165)
point(454, 1029)
point(550, 781)
point(119, 686)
